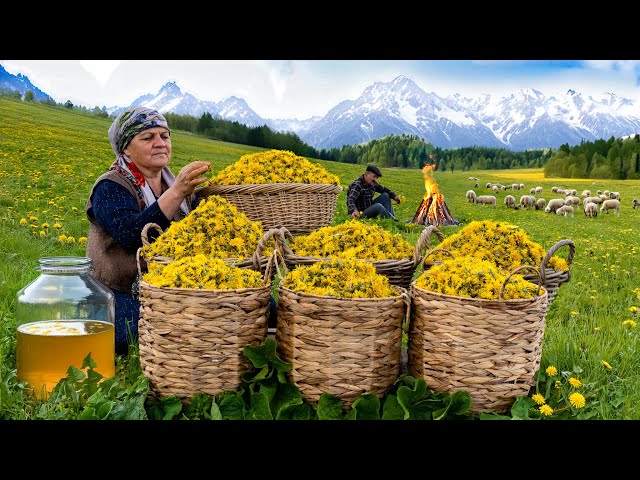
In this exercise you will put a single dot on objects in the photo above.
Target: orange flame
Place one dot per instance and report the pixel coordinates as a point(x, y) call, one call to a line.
point(430, 184)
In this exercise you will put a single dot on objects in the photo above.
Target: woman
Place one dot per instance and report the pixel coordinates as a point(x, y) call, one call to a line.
point(139, 188)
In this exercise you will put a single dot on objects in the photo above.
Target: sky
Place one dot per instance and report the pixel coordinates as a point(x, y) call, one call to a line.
point(305, 88)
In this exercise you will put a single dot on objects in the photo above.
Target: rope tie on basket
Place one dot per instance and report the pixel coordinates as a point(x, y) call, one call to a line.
point(516, 270)
point(255, 258)
point(276, 264)
point(424, 240)
point(552, 250)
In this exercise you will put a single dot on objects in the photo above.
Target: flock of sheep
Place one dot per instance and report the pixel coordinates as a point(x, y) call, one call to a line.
point(563, 205)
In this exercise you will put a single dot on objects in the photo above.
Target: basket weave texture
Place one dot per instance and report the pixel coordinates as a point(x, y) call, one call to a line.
point(341, 346)
point(490, 348)
point(400, 272)
point(299, 207)
point(552, 279)
point(192, 341)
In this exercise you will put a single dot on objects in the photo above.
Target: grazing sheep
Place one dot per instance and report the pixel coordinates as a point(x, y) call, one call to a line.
point(604, 197)
point(488, 185)
point(510, 201)
point(521, 186)
point(572, 200)
point(585, 194)
point(495, 189)
point(598, 192)
point(591, 209)
point(527, 201)
point(486, 200)
point(554, 204)
point(475, 185)
point(635, 203)
point(540, 204)
point(566, 210)
point(596, 200)
point(611, 205)
point(471, 196)
point(538, 190)
point(573, 192)
point(532, 191)
point(614, 195)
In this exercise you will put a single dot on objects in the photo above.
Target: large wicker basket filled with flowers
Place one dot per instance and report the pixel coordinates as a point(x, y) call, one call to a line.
point(509, 246)
point(196, 316)
point(390, 253)
point(340, 327)
point(215, 228)
point(477, 328)
point(279, 189)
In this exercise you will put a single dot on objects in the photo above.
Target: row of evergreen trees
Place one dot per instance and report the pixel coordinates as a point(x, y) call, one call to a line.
point(614, 158)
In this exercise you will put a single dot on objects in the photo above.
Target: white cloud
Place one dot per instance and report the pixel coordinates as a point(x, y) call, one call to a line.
point(100, 69)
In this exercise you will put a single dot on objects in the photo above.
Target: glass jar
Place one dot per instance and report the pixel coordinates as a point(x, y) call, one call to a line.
point(61, 317)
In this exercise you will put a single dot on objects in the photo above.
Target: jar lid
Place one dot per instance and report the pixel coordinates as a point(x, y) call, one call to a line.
point(64, 264)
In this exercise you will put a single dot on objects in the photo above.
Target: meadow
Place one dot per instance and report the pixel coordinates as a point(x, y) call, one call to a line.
point(50, 157)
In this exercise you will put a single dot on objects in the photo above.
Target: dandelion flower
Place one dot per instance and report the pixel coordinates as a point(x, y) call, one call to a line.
point(606, 364)
point(577, 400)
point(633, 309)
point(82, 240)
point(629, 323)
point(574, 313)
point(551, 371)
point(539, 399)
point(545, 410)
point(558, 385)
point(23, 221)
point(596, 329)
point(575, 383)
point(57, 225)
point(74, 209)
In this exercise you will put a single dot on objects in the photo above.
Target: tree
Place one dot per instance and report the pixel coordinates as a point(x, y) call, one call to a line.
point(68, 104)
point(28, 96)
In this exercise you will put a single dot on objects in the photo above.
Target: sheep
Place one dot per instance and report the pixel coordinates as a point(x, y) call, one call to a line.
point(510, 201)
point(527, 201)
point(488, 185)
point(554, 204)
point(471, 196)
point(572, 200)
point(635, 203)
point(591, 210)
point(566, 210)
point(614, 195)
point(604, 197)
point(540, 204)
point(585, 194)
point(486, 200)
point(495, 189)
point(538, 190)
point(596, 200)
point(573, 192)
point(475, 185)
point(532, 191)
point(611, 204)
point(521, 186)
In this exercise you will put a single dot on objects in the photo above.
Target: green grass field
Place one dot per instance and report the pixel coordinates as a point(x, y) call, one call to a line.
point(49, 159)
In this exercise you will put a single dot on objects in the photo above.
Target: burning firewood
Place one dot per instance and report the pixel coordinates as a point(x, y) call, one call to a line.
point(432, 209)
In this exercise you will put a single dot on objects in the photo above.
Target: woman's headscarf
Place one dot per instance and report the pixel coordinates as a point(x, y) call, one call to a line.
point(127, 125)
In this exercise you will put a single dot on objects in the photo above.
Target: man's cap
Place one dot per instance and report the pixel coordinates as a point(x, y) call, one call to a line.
point(374, 169)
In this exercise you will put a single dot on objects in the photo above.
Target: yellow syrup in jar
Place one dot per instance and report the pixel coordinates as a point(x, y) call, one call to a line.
point(46, 349)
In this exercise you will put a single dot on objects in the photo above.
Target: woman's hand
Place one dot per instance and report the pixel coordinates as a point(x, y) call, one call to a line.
point(190, 176)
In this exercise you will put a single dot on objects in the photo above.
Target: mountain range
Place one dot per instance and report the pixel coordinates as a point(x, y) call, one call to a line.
point(525, 119)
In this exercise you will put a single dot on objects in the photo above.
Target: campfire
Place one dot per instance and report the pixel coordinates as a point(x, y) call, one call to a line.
point(432, 210)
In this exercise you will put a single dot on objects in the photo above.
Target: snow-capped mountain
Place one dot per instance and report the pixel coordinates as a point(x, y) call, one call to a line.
point(20, 83)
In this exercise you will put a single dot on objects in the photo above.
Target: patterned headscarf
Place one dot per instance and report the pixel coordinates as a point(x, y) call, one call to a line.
point(127, 125)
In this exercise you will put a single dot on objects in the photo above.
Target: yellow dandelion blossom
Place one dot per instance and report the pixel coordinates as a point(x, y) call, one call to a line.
point(596, 329)
point(71, 240)
point(558, 385)
point(62, 238)
point(57, 225)
point(538, 398)
point(551, 371)
point(633, 309)
point(577, 400)
point(546, 410)
point(43, 233)
point(575, 383)
point(573, 313)
point(23, 221)
point(74, 209)
point(629, 323)
point(606, 364)
point(82, 240)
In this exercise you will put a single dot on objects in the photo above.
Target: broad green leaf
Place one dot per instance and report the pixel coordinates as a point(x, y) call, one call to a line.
point(329, 407)
point(171, 406)
point(392, 410)
point(232, 406)
point(264, 354)
point(129, 409)
point(215, 411)
point(365, 407)
point(259, 407)
point(104, 410)
point(287, 396)
point(88, 362)
point(493, 416)
point(297, 412)
point(521, 406)
point(88, 414)
point(460, 402)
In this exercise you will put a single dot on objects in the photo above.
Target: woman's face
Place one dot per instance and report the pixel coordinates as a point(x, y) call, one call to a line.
point(150, 149)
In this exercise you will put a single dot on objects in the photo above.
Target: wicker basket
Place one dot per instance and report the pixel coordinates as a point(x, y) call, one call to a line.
point(299, 207)
point(257, 261)
point(490, 348)
point(399, 272)
point(552, 279)
point(341, 346)
point(192, 340)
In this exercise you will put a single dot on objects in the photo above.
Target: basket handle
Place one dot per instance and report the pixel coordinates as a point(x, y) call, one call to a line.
point(516, 270)
point(433, 250)
point(285, 235)
point(424, 239)
point(261, 245)
point(276, 263)
point(406, 298)
point(272, 263)
point(552, 250)
point(138, 256)
point(145, 230)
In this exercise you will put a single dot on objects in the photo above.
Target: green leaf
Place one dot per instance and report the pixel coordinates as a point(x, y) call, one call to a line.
point(287, 396)
point(264, 354)
point(297, 412)
point(520, 408)
point(171, 406)
point(329, 407)
point(259, 407)
point(215, 411)
point(232, 406)
point(392, 410)
point(365, 407)
point(104, 410)
point(88, 414)
point(460, 402)
point(129, 409)
point(88, 362)
point(493, 416)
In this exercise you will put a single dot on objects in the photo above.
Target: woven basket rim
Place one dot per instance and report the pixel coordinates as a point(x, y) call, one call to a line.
point(511, 301)
point(192, 291)
point(295, 256)
point(400, 290)
point(270, 186)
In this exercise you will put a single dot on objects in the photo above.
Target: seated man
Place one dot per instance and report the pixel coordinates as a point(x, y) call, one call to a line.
point(360, 201)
